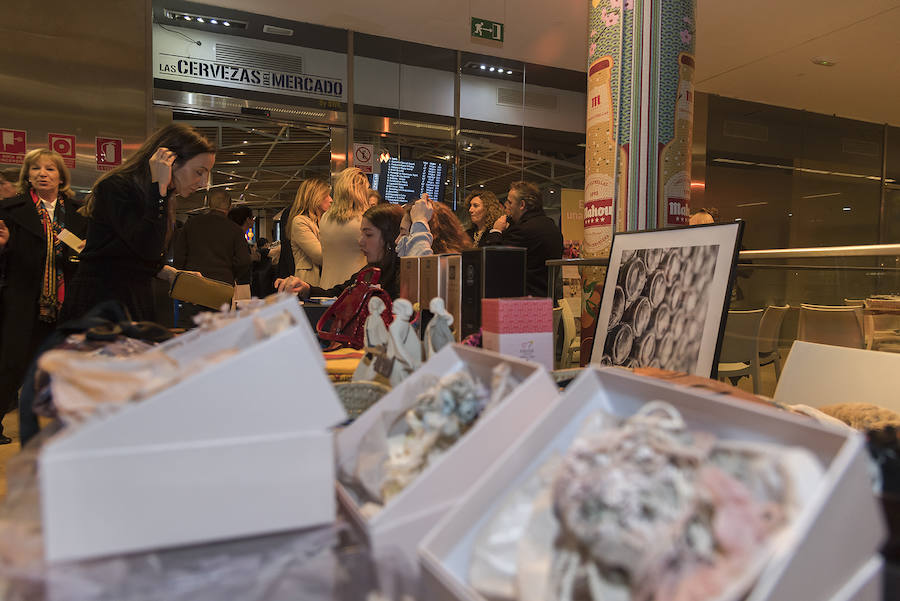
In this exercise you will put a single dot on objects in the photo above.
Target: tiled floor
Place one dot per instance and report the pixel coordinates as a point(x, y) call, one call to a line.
point(11, 429)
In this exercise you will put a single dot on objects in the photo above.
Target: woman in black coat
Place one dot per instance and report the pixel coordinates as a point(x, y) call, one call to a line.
point(132, 217)
point(35, 266)
point(484, 209)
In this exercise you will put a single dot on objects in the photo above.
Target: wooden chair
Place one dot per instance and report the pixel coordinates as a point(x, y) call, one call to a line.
point(740, 347)
point(834, 325)
point(769, 334)
point(571, 350)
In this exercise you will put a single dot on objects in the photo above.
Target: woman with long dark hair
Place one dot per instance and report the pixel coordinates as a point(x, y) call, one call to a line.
point(35, 265)
point(378, 231)
point(132, 217)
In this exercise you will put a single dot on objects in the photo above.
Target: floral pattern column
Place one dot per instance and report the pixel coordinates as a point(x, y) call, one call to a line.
point(639, 121)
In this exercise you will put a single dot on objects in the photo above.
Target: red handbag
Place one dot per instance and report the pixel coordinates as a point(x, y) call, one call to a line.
point(344, 322)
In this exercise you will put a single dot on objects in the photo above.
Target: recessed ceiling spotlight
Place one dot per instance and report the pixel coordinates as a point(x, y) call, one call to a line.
point(187, 18)
point(823, 62)
point(481, 185)
point(200, 20)
point(226, 24)
point(509, 72)
point(846, 209)
point(213, 21)
point(483, 67)
point(245, 141)
point(492, 69)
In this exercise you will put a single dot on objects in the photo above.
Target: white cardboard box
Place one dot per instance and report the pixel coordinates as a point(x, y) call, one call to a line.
point(532, 346)
point(820, 374)
point(240, 448)
point(865, 584)
point(832, 537)
point(407, 517)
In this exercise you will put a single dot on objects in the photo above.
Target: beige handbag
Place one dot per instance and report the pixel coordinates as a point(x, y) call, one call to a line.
point(199, 290)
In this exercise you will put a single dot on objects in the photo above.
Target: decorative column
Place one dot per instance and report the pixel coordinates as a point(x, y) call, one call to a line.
point(639, 120)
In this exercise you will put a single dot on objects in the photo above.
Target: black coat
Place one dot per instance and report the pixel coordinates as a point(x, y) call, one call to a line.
point(543, 240)
point(21, 273)
point(126, 237)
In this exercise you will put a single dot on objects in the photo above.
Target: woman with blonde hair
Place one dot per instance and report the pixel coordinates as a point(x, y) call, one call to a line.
point(339, 228)
point(312, 201)
point(35, 265)
point(484, 210)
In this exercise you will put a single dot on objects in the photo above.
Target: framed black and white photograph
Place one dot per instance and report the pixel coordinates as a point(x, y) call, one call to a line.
point(665, 298)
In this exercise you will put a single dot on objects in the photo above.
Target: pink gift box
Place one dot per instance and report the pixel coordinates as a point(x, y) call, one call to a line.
point(519, 315)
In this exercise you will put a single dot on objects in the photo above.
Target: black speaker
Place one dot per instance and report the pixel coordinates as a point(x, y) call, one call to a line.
point(490, 272)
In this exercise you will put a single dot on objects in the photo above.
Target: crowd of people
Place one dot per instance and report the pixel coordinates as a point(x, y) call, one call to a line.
point(59, 257)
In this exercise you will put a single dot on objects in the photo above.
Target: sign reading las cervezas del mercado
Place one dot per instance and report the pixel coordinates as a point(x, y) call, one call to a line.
point(225, 61)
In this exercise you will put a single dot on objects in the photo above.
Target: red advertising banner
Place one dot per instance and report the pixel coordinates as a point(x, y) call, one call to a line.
point(64, 144)
point(109, 153)
point(12, 146)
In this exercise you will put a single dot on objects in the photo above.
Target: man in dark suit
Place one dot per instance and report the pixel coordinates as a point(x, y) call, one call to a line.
point(215, 246)
point(526, 225)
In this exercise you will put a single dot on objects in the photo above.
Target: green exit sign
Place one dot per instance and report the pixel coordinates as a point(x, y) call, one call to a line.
point(489, 30)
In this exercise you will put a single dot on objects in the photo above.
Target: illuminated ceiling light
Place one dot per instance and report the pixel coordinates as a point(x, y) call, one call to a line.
point(790, 214)
point(226, 23)
point(200, 20)
point(483, 67)
point(846, 209)
point(822, 61)
point(481, 185)
point(187, 18)
point(245, 141)
point(213, 21)
point(492, 69)
point(240, 154)
point(509, 72)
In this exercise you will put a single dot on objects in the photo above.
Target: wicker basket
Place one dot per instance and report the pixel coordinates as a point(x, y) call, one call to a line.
point(359, 396)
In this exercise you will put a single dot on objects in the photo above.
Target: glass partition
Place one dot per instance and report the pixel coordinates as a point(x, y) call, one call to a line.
point(857, 286)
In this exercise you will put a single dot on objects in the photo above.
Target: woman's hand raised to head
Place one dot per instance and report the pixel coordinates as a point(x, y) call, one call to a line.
point(422, 210)
point(292, 285)
point(161, 168)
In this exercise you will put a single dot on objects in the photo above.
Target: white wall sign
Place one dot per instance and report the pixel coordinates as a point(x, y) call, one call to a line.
point(248, 65)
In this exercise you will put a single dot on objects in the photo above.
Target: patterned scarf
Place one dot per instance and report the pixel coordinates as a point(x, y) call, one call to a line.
point(52, 284)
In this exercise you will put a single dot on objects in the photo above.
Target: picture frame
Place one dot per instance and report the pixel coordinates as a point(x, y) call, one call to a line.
point(666, 296)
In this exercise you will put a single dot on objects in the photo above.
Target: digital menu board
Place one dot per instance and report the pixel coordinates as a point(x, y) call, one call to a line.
point(405, 181)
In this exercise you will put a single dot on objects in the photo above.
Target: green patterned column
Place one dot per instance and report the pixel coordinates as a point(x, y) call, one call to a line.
point(639, 119)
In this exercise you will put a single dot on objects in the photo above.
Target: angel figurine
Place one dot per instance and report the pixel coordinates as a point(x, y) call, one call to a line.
point(408, 348)
point(437, 332)
point(377, 343)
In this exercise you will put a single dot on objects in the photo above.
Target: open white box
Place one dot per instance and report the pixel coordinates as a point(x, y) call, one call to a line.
point(407, 517)
point(821, 374)
point(824, 548)
point(242, 447)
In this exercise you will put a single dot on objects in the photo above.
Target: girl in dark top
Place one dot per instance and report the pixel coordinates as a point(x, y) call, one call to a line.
point(132, 215)
point(377, 234)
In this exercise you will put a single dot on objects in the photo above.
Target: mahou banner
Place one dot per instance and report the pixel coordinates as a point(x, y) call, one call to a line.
point(639, 123)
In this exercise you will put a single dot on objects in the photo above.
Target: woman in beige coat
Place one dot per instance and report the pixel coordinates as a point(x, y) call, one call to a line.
point(312, 200)
point(339, 229)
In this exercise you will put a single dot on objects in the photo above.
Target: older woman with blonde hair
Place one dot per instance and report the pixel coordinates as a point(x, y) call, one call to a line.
point(312, 201)
point(35, 264)
point(339, 228)
point(484, 209)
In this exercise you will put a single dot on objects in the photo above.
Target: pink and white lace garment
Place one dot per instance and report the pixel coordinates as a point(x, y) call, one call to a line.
point(643, 510)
